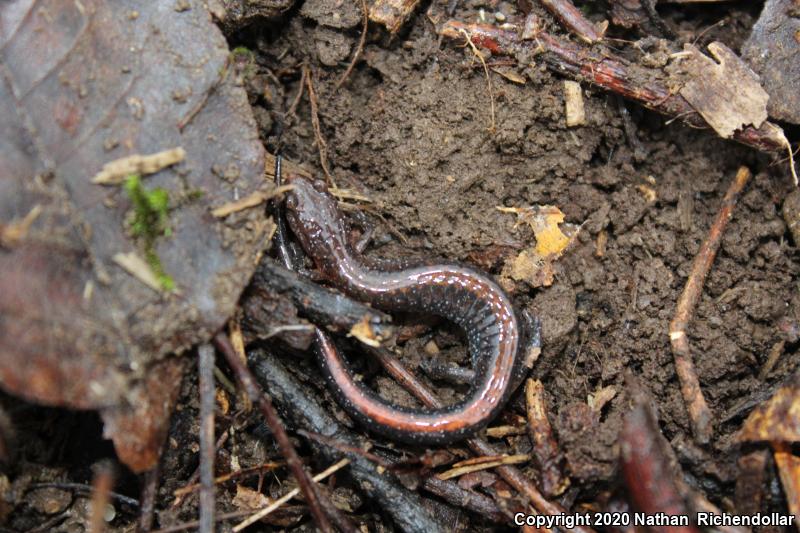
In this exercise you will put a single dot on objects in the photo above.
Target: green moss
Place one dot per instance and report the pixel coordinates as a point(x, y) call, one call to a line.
point(243, 51)
point(150, 221)
point(245, 61)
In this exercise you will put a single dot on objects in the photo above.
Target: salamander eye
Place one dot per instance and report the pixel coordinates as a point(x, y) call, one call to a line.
point(320, 185)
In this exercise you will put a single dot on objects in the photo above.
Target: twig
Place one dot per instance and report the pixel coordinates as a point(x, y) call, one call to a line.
point(699, 413)
point(8, 437)
point(545, 449)
point(148, 499)
point(606, 70)
point(572, 19)
point(84, 489)
point(196, 474)
point(205, 371)
point(237, 514)
point(322, 146)
point(492, 125)
point(447, 490)
point(102, 482)
point(245, 472)
point(460, 469)
point(288, 496)
point(359, 48)
point(293, 106)
point(479, 504)
point(264, 403)
point(457, 375)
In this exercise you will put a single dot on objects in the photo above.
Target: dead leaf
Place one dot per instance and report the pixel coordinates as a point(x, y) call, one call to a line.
point(777, 419)
point(82, 84)
point(249, 500)
point(535, 265)
point(510, 75)
point(728, 95)
point(789, 471)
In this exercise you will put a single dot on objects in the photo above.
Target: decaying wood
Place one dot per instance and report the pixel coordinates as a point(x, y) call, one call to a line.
point(392, 13)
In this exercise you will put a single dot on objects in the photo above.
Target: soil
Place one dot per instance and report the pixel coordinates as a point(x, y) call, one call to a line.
point(411, 129)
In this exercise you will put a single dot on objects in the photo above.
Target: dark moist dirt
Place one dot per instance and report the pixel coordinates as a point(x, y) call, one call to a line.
point(410, 129)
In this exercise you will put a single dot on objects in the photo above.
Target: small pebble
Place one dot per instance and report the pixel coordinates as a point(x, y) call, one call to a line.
point(431, 348)
point(499, 17)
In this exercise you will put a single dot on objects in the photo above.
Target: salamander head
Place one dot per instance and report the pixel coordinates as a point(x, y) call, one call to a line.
point(313, 215)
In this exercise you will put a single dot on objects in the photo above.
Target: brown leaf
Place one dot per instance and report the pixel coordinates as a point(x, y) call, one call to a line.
point(248, 499)
point(777, 419)
point(789, 470)
point(534, 265)
point(727, 94)
point(83, 84)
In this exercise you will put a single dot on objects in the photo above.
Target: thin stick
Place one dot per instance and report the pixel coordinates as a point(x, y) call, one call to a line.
point(293, 106)
point(242, 514)
point(102, 482)
point(359, 48)
point(288, 496)
point(322, 146)
point(205, 371)
point(148, 499)
point(572, 19)
point(545, 450)
point(257, 396)
point(492, 126)
point(82, 488)
point(196, 474)
point(699, 413)
point(246, 472)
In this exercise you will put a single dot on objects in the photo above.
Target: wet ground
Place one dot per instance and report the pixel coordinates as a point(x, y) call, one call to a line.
point(411, 129)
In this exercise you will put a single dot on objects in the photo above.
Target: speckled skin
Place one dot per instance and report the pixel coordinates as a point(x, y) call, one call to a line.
point(470, 300)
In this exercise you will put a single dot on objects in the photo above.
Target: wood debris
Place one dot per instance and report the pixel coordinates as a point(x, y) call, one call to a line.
point(727, 93)
point(546, 453)
point(573, 100)
point(482, 463)
point(139, 269)
point(16, 231)
point(115, 172)
point(251, 200)
point(392, 13)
